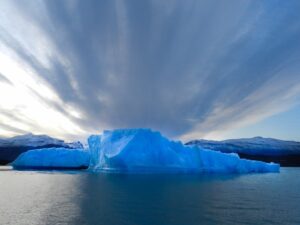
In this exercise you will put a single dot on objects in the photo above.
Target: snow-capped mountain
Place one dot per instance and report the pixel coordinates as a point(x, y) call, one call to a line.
point(251, 146)
point(266, 149)
point(11, 148)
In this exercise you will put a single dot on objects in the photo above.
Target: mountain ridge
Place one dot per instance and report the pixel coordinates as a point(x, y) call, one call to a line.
point(11, 148)
point(287, 153)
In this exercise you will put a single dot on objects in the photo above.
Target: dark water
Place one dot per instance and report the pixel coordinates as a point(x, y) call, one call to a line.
point(82, 198)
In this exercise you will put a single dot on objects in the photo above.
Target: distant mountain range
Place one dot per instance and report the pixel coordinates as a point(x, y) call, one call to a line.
point(11, 148)
point(287, 153)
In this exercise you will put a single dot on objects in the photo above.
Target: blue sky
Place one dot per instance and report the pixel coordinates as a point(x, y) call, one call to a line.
point(283, 125)
point(191, 69)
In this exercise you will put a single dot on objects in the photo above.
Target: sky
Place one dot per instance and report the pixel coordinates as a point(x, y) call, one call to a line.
point(190, 69)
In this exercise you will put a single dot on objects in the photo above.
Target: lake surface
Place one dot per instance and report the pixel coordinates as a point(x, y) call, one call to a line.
point(79, 198)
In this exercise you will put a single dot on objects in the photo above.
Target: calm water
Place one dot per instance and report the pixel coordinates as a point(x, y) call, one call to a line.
point(110, 199)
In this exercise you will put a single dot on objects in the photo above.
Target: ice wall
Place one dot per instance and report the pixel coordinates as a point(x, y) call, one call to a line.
point(143, 150)
point(53, 158)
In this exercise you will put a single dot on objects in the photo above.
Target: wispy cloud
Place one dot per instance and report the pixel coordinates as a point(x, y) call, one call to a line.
point(187, 68)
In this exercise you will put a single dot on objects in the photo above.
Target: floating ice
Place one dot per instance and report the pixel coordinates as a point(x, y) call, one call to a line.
point(53, 158)
point(143, 150)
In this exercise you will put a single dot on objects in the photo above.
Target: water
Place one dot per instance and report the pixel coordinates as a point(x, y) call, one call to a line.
point(81, 198)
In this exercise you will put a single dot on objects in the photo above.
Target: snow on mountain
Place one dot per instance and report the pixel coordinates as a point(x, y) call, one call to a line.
point(11, 148)
point(36, 141)
point(251, 146)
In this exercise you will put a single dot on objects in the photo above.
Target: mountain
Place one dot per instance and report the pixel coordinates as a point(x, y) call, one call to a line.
point(11, 148)
point(287, 153)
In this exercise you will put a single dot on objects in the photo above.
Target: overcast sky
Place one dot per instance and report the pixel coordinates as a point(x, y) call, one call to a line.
point(190, 69)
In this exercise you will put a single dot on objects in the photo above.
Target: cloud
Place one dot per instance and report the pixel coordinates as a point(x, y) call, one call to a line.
point(3, 79)
point(190, 68)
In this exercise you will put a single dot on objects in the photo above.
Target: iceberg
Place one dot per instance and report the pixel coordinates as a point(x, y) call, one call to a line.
point(144, 150)
point(53, 158)
point(11, 148)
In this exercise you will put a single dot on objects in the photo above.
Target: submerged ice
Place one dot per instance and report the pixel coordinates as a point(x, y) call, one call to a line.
point(53, 158)
point(143, 150)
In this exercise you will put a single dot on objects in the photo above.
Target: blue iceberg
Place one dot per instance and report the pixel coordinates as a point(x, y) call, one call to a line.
point(143, 150)
point(53, 158)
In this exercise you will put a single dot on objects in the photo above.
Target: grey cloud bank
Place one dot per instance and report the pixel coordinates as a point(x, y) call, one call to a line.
point(186, 68)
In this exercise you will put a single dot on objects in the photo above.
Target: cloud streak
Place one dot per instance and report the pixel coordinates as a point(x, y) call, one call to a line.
point(192, 68)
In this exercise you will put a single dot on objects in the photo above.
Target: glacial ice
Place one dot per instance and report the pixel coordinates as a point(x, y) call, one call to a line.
point(143, 150)
point(53, 158)
point(139, 150)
